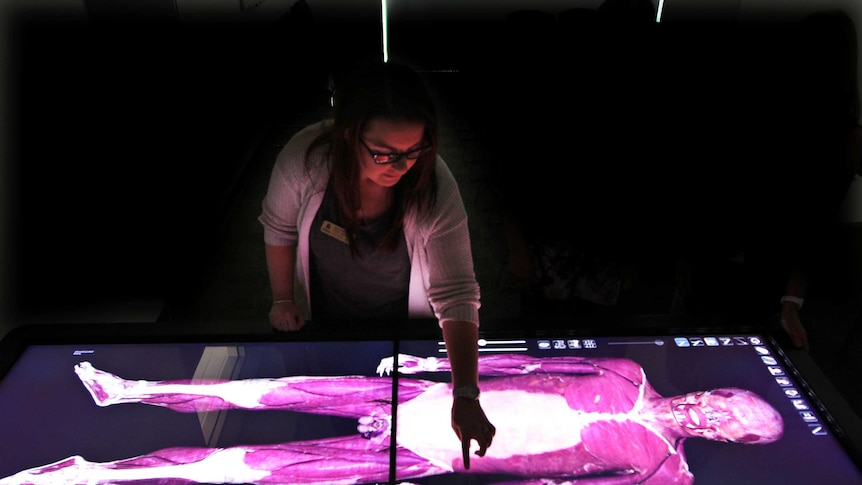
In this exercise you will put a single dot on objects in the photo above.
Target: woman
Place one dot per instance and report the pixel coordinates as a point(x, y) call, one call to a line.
point(363, 220)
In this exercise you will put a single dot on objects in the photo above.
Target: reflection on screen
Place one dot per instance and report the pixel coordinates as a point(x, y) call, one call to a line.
point(686, 409)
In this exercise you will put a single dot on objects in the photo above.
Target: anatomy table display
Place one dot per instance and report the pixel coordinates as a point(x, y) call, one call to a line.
point(620, 409)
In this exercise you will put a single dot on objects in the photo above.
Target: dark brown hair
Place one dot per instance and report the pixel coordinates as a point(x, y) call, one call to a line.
point(390, 91)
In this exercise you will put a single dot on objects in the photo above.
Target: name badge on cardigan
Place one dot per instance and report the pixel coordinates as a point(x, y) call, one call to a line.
point(334, 231)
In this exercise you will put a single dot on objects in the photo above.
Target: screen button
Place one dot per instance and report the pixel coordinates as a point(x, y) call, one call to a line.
point(808, 416)
point(817, 429)
point(775, 370)
point(791, 392)
point(799, 404)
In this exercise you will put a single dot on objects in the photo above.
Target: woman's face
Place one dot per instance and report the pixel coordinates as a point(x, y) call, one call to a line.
point(400, 140)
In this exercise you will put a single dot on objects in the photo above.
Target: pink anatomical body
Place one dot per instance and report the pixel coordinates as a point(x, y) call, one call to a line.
point(557, 419)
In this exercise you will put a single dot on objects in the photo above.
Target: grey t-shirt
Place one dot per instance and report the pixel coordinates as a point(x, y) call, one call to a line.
point(373, 285)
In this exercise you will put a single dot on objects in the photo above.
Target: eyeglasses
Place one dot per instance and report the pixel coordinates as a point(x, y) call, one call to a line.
point(395, 157)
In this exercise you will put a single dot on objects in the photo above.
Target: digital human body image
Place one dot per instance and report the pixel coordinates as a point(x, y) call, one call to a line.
point(562, 419)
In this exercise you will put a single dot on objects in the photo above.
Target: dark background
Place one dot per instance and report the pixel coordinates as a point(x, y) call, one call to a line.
point(136, 142)
point(133, 133)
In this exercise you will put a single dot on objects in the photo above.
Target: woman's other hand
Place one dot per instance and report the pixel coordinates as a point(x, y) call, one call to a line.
point(285, 316)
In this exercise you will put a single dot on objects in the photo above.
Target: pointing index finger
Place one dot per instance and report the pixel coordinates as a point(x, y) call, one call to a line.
point(465, 451)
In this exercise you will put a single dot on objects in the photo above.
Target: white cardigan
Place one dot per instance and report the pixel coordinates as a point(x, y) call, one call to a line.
point(442, 279)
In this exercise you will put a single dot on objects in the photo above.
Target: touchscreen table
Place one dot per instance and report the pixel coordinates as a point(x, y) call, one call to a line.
point(695, 408)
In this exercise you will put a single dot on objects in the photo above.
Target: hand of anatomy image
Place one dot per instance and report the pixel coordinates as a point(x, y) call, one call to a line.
point(558, 419)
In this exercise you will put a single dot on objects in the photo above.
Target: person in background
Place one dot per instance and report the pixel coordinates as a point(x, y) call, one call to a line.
point(827, 149)
point(809, 150)
point(364, 222)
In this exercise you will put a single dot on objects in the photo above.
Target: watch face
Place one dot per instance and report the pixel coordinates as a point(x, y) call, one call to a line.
point(469, 392)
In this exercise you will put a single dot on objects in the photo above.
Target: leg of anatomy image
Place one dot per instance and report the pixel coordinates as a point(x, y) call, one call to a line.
point(559, 419)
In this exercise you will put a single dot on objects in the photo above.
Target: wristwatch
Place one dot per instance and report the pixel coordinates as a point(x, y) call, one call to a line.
point(467, 392)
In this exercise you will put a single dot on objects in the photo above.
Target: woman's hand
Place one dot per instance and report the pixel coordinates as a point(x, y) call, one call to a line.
point(285, 316)
point(470, 423)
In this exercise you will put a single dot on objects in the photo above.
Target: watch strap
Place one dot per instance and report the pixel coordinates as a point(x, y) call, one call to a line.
point(793, 299)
